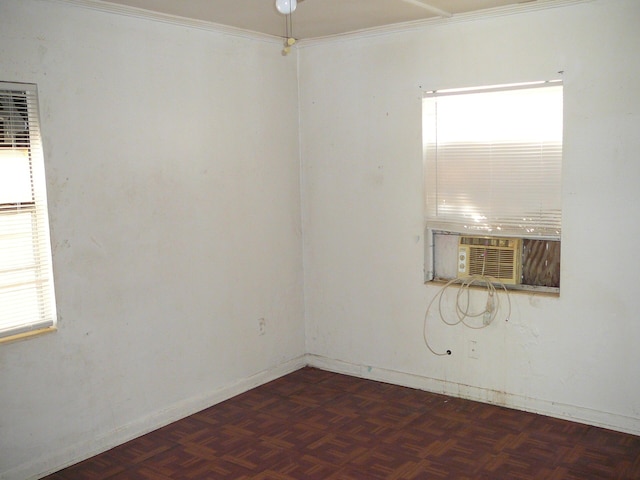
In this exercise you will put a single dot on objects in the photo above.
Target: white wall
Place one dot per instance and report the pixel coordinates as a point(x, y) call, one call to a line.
point(173, 183)
point(173, 176)
point(574, 356)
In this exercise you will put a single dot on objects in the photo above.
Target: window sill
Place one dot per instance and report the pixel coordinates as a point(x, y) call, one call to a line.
point(553, 292)
point(26, 335)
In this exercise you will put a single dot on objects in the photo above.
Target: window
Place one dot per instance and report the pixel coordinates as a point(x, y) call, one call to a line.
point(493, 161)
point(27, 301)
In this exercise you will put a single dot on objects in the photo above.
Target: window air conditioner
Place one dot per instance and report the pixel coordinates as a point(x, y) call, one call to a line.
point(495, 257)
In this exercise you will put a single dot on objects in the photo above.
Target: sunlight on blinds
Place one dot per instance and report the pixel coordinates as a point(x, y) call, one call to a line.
point(493, 160)
point(27, 300)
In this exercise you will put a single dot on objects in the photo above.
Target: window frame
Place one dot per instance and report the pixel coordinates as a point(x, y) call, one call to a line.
point(27, 294)
point(435, 226)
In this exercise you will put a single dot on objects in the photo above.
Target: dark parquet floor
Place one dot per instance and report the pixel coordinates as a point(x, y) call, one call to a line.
point(313, 424)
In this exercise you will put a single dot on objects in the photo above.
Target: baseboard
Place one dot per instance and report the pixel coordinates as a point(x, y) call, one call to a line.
point(573, 413)
point(82, 450)
point(79, 451)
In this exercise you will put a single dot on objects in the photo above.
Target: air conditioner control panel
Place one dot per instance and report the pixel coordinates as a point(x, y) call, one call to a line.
point(462, 260)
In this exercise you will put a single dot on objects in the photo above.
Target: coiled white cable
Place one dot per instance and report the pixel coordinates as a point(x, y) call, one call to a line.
point(492, 305)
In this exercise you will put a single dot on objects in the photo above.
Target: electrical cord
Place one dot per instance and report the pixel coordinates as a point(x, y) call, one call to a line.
point(463, 305)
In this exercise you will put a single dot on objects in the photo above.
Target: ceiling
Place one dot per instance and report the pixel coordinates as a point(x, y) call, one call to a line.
point(319, 18)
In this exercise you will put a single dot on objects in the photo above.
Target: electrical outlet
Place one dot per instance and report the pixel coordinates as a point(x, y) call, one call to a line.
point(473, 349)
point(262, 326)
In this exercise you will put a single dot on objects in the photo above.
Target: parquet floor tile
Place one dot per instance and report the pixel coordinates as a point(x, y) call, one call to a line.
point(318, 425)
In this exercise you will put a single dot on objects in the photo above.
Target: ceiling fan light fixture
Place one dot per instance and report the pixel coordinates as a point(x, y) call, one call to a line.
point(286, 7)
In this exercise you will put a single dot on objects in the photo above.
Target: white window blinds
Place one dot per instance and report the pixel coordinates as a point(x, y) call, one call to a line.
point(27, 300)
point(493, 160)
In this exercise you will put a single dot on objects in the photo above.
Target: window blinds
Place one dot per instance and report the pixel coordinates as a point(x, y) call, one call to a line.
point(27, 300)
point(493, 160)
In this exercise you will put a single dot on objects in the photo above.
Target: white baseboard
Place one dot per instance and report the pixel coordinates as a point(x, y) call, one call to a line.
point(80, 451)
point(573, 413)
point(87, 448)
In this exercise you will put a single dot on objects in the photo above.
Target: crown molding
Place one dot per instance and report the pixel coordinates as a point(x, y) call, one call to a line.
point(134, 12)
point(516, 9)
point(508, 10)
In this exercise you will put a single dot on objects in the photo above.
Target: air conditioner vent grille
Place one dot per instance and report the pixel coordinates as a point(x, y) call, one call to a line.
point(499, 258)
point(492, 262)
